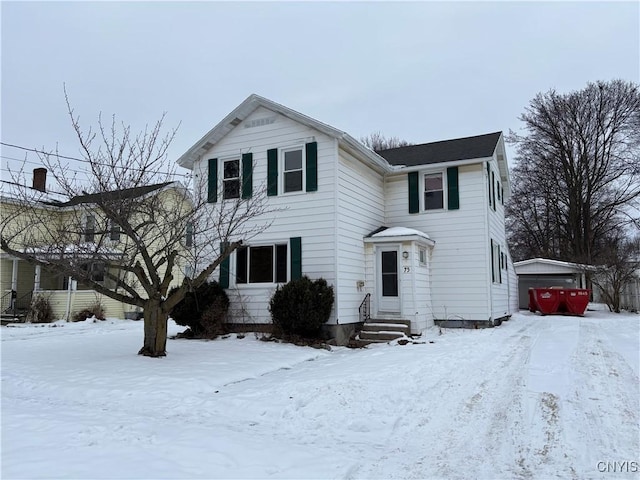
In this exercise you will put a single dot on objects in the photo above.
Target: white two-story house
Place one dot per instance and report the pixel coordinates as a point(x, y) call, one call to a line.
point(414, 233)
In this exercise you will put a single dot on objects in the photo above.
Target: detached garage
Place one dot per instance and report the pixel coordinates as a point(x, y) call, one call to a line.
point(542, 272)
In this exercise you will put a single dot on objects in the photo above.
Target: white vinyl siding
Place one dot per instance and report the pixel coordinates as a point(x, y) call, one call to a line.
point(360, 210)
point(459, 260)
point(292, 218)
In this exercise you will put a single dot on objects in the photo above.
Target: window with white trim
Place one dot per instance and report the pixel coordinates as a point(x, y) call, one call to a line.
point(293, 170)
point(262, 264)
point(433, 191)
point(496, 259)
point(231, 179)
point(422, 253)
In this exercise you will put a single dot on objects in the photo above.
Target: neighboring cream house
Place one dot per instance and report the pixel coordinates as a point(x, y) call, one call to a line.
point(414, 233)
point(92, 238)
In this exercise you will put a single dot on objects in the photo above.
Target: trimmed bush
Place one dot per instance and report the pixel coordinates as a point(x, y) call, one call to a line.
point(302, 306)
point(94, 310)
point(40, 310)
point(203, 310)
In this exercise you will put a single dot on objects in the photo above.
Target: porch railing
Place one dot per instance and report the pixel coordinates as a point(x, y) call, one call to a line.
point(20, 305)
point(364, 310)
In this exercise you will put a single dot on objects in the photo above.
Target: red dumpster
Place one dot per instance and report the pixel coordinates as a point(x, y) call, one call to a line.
point(576, 300)
point(572, 301)
point(545, 300)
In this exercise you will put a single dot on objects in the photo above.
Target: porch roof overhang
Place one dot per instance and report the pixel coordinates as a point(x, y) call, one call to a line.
point(80, 252)
point(399, 234)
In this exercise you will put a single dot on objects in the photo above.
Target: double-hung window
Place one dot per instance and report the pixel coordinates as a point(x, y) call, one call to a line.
point(90, 228)
point(231, 178)
point(293, 170)
point(261, 264)
point(433, 191)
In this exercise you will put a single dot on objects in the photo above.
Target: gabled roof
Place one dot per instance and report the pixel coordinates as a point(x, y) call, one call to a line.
point(246, 108)
point(91, 198)
point(479, 146)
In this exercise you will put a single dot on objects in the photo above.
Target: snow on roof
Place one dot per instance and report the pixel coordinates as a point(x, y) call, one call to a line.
point(401, 232)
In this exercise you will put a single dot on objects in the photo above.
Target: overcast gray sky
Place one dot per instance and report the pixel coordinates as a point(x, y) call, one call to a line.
point(422, 71)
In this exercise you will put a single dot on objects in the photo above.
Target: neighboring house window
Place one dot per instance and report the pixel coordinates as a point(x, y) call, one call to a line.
point(433, 191)
point(95, 271)
point(90, 228)
point(261, 264)
point(293, 170)
point(114, 232)
point(231, 179)
point(188, 240)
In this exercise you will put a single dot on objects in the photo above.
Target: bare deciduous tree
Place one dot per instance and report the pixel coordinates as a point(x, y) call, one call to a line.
point(618, 265)
point(377, 142)
point(577, 178)
point(129, 218)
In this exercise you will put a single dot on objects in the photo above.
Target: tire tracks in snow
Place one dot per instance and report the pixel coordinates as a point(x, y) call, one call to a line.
point(437, 435)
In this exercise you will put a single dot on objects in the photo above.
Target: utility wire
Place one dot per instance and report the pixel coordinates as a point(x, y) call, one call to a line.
point(186, 175)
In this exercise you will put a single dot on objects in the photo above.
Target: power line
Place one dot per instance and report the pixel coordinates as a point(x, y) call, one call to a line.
point(82, 160)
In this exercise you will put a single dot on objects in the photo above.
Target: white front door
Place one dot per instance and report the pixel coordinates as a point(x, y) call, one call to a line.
point(388, 279)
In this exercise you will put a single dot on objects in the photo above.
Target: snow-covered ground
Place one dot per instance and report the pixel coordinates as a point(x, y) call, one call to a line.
point(537, 397)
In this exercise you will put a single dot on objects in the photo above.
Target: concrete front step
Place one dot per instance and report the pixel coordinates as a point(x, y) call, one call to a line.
point(378, 330)
point(382, 336)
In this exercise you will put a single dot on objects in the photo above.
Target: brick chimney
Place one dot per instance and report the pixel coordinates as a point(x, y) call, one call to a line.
point(40, 179)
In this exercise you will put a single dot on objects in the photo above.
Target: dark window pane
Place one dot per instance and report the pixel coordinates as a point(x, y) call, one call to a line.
point(389, 285)
point(433, 200)
point(241, 265)
point(232, 169)
point(261, 264)
point(293, 160)
point(389, 262)
point(231, 189)
point(433, 182)
point(115, 232)
point(281, 263)
point(293, 181)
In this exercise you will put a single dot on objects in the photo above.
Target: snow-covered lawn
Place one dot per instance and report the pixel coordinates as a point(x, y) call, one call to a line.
point(538, 397)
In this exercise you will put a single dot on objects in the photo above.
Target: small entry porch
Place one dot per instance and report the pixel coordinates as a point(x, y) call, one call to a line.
point(397, 266)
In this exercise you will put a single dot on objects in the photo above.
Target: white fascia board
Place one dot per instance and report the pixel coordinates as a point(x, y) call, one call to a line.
point(440, 165)
point(401, 238)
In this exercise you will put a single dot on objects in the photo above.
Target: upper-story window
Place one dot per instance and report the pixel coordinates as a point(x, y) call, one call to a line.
point(433, 191)
point(114, 231)
point(231, 179)
point(293, 170)
point(90, 228)
point(188, 237)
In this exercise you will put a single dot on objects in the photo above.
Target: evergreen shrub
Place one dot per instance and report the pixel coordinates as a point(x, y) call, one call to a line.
point(202, 310)
point(301, 307)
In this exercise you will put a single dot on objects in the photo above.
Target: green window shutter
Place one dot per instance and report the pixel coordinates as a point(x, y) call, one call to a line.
point(414, 196)
point(493, 268)
point(272, 172)
point(312, 166)
point(224, 267)
point(489, 181)
point(493, 190)
point(212, 195)
point(453, 197)
point(296, 257)
point(247, 175)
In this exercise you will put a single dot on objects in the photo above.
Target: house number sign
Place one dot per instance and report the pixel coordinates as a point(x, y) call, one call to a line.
point(407, 269)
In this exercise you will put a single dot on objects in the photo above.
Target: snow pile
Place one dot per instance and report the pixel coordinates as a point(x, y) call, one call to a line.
point(538, 397)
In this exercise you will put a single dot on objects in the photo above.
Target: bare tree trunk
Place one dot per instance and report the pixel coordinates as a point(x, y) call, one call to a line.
point(155, 330)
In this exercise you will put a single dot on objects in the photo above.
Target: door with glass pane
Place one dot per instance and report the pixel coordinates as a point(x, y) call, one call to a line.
point(388, 279)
